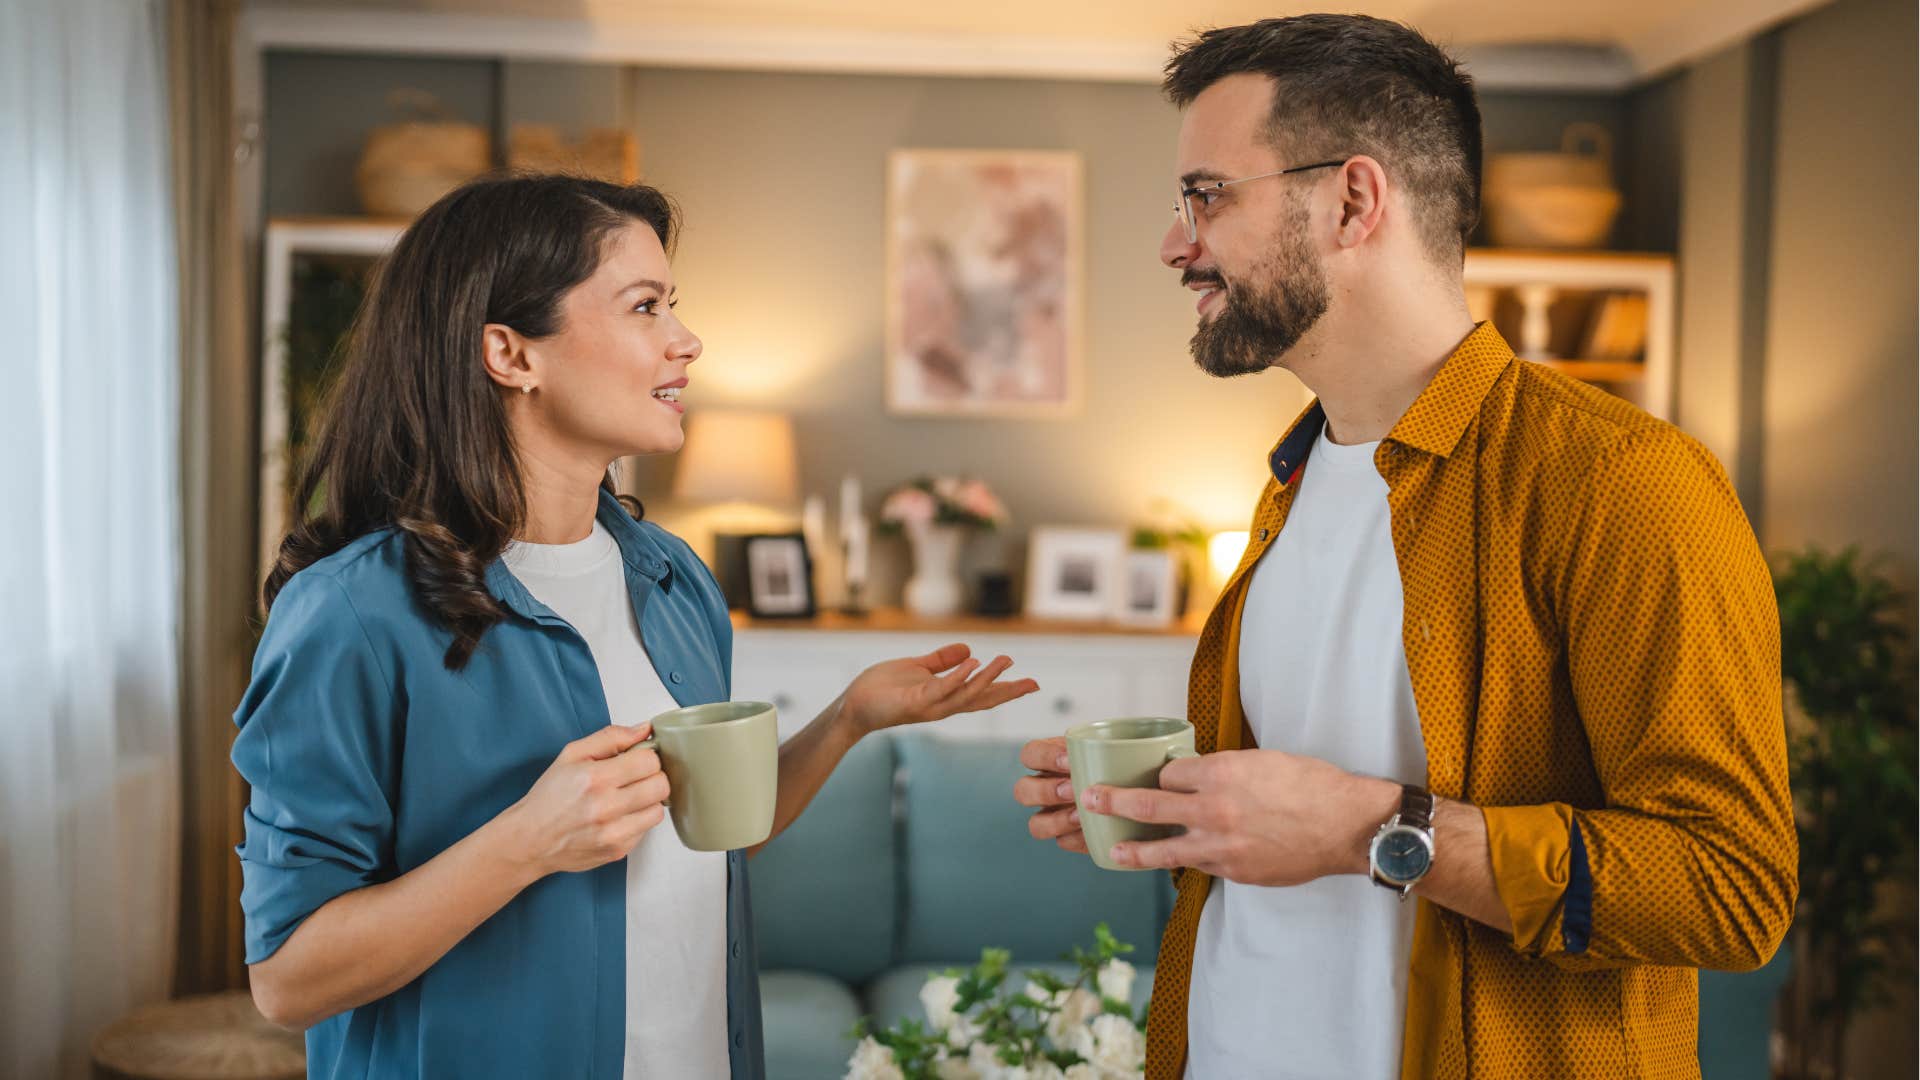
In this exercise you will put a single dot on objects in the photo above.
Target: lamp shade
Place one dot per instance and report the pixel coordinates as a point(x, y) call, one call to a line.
point(738, 455)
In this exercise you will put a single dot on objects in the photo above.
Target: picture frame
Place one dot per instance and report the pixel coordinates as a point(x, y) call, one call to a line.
point(1148, 589)
point(779, 576)
point(1074, 574)
point(312, 274)
point(984, 289)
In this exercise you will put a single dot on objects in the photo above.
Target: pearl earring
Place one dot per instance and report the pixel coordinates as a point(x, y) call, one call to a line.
point(526, 388)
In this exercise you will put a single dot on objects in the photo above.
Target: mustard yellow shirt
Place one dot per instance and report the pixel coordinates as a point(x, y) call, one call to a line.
point(1595, 654)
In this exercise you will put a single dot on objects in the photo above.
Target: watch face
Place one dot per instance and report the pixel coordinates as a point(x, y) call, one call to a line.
point(1403, 854)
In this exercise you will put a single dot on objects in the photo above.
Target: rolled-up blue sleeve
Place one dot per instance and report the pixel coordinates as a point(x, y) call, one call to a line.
point(316, 744)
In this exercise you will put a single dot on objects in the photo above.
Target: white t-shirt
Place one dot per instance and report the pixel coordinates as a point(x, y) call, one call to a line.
point(1311, 981)
point(676, 897)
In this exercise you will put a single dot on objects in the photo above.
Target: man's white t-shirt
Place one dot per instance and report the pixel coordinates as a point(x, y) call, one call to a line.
point(676, 897)
point(1311, 981)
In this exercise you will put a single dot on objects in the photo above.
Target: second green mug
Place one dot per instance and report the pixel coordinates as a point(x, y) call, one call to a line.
point(1128, 752)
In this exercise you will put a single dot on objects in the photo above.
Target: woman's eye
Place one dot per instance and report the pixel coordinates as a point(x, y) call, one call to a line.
point(647, 307)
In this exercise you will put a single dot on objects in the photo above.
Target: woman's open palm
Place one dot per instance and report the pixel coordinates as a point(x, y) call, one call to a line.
point(920, 689)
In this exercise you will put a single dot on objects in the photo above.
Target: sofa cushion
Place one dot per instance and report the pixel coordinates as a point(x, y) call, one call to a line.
point(974, 877)
point(807, 1020)
point(896, 995)
point(824, 891)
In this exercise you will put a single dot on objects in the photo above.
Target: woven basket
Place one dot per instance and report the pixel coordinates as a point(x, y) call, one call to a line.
point(1564, 199)
point(406, 166)
point(215, 1037)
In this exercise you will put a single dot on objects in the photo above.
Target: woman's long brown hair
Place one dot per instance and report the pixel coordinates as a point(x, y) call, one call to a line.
point(414, 436)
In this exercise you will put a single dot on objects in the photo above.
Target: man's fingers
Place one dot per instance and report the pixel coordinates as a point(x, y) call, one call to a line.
point(1045, 755)
point(1054, 824)
point(1047, 791)
point(1160, 854)
point(1184, 774)
point(1149, 805)
point(1074, 841)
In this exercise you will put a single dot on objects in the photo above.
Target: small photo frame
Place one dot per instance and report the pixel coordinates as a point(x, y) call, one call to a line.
point(1074, 573)
point(1149, 580)
point(779, 576)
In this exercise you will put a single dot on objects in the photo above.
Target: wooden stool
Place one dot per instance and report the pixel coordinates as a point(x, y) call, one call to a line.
point(215, 1037)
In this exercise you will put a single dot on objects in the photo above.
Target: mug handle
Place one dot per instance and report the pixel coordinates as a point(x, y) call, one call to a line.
point(651, 742)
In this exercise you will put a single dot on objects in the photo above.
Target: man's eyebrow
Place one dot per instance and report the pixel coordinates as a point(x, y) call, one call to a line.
point(1187, 180)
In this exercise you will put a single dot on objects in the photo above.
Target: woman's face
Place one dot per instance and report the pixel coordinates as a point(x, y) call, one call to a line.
point(610, 381)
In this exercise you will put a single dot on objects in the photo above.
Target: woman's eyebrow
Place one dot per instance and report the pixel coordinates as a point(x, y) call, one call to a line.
point(646, 283)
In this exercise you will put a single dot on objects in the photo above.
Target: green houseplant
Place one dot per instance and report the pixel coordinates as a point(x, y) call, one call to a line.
point(1849, 672)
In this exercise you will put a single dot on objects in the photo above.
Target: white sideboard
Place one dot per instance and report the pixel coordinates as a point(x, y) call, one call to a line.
point(1085, 672)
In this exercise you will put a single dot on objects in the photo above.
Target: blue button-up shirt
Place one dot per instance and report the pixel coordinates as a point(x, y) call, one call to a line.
point(367, 757)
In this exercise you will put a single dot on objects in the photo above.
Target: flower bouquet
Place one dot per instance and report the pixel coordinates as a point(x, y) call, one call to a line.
point(942, 500)
point(1052, 1029)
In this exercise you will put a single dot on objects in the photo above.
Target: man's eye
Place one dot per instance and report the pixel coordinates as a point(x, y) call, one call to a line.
point(1207, 197)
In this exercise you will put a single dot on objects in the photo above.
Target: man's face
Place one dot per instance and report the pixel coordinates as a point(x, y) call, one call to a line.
point(1252, 261)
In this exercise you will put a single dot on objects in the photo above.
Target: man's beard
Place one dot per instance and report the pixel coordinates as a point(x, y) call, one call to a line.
point(1257, 324)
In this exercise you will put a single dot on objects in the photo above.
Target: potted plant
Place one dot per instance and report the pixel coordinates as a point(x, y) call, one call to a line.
point(1848, 668)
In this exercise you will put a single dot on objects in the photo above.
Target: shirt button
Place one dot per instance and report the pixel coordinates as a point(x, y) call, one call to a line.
point(676, 678)
point(736, 949)
point(1263, 534)
point(739, 1040)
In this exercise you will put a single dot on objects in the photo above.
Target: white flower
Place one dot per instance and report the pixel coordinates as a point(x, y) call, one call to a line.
point(939, 997)
point(1082, 1071)
point(953, 1068)
point(1119, 1048)
point(962, 1033)
point(871, 1061)
point(1067, 1028)
point(1045, 1070)
point(1116, 980)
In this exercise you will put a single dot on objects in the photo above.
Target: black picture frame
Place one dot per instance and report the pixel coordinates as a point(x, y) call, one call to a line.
point(779, 573)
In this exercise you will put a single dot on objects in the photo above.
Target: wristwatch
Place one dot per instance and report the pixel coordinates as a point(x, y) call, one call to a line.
point(1402, 851)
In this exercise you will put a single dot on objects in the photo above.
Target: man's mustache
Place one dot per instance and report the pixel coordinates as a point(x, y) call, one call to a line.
point(1209, 277)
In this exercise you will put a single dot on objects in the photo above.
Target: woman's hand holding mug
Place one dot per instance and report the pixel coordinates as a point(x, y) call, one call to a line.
point(593, 804)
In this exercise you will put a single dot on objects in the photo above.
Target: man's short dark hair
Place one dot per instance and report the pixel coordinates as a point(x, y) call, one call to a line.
point(1352, 84)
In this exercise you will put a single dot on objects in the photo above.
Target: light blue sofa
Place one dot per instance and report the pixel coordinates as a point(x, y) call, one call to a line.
point(914, 857)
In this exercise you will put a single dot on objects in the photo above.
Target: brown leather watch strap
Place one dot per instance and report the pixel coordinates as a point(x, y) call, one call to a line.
point(1416, 807)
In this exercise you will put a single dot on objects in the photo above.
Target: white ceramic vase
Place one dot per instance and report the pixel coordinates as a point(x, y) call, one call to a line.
point(934, 590)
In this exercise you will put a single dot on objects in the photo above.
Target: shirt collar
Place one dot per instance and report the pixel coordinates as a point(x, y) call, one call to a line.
point(1440, 415)
point(642, 555)
point(1436, 419)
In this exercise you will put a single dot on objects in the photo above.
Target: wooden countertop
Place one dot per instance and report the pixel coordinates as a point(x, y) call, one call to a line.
point(897, 621)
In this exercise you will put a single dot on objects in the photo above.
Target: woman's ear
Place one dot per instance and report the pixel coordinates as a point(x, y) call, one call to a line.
point(504, 352)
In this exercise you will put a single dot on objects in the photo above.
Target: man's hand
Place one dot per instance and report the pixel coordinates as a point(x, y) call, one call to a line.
point(1257, 817)
point(1052, 792)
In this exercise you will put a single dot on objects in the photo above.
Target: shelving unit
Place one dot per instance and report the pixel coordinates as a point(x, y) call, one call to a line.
point(1544, 301)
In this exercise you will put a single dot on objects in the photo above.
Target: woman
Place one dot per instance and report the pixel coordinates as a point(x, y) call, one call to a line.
point(453, 865)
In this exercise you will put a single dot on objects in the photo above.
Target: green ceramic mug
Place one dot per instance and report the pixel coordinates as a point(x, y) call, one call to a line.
point(1127, 752)
point(723, 766)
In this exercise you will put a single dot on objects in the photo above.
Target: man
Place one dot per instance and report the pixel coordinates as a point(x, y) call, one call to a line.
point(1504, 642)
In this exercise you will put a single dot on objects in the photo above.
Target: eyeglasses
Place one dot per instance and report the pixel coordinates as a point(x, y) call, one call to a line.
point(1183, 209)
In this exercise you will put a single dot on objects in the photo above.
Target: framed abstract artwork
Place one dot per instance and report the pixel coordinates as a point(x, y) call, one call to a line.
point(984, 255)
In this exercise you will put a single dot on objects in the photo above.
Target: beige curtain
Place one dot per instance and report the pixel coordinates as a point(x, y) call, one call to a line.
point(217, 479)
